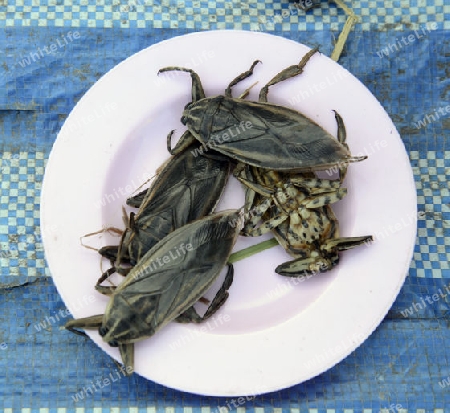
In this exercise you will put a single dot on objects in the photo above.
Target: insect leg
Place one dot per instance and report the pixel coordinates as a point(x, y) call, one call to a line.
point(109, 252)
point(267, 226)
point(221, 295)
point(197, 88)
point(87, 323)
point(186, 140)
point(303, 267)
point(260, 189)
point(253, 217)
point(342, 133)
point(117, 255)
point(106, 275)
point(346, 243)
point(287, 73)
point(105, 290)
point(342, 138)
point(191, 315)
point(243, 171)
point(240, 78)
point(251, 198)
point(326, 198)
point(315, 185)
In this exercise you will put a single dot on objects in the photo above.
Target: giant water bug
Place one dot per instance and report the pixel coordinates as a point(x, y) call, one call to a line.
point(166, 283)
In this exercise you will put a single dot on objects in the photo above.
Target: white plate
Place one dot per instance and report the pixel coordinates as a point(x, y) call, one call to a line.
point(273, 332)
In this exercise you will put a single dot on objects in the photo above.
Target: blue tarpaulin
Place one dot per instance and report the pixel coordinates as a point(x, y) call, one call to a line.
point(404, 364)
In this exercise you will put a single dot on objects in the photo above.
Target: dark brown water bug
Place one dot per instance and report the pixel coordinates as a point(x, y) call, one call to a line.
point(258, 133)
point(187, 187)
point(165, 284)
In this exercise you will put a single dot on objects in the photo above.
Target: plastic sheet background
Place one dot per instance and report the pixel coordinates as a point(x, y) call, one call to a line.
point(404, 365)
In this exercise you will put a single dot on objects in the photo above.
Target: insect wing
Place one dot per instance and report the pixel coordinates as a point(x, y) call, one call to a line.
point(166, 281)
point(169, 211)
point(188, 188)
point(266, 135)
point(126, 314)
point(203, 177)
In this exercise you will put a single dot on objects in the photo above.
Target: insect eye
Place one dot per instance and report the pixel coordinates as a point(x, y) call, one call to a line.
point(188, 106)
point(102, 331)
point(113, 343)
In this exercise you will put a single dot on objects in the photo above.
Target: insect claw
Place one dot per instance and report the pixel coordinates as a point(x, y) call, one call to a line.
point(106, 275)
point(240, 78)
point(354, 159)
point(308, 55)
point(169, 140)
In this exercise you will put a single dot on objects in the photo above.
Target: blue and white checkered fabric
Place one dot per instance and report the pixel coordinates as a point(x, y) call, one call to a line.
point(264, 15)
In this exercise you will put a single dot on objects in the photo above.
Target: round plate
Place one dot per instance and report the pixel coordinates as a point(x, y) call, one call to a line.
point(273, 332)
